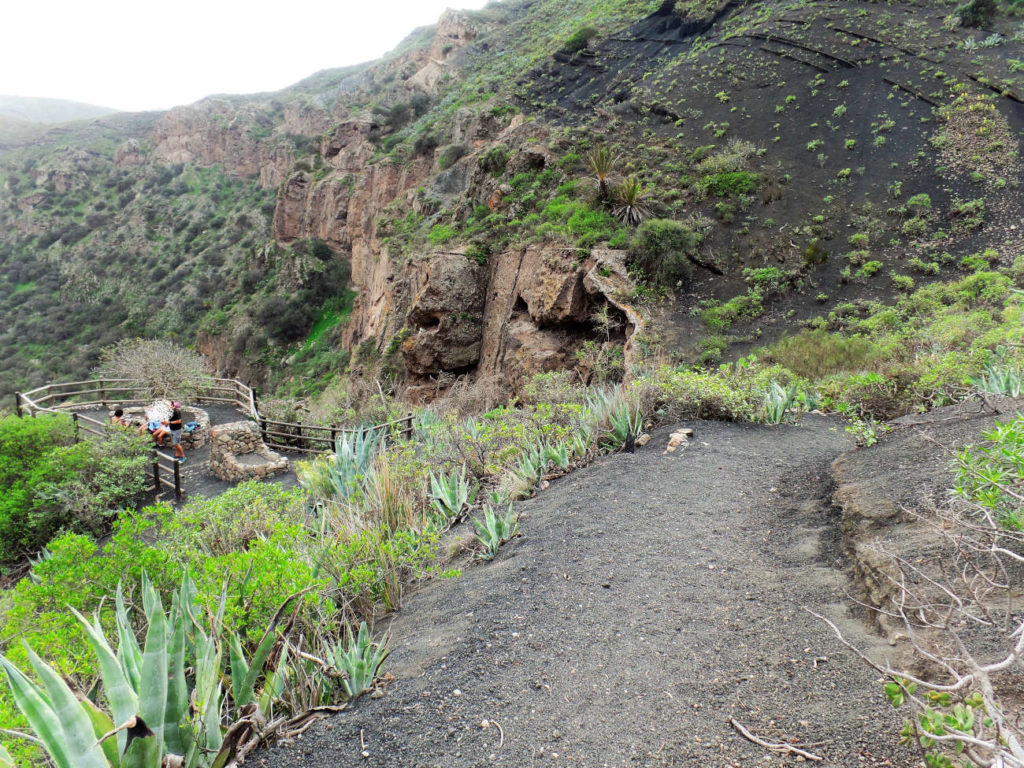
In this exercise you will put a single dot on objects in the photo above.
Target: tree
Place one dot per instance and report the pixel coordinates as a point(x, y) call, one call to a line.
point(168, 370)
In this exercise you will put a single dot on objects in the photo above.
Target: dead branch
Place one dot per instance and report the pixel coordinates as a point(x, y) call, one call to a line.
point(777, 748)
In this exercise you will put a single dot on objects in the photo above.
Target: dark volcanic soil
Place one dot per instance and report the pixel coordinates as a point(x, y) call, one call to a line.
point(650, 598)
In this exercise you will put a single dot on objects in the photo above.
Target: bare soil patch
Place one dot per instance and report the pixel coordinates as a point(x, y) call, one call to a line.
point(651, 598)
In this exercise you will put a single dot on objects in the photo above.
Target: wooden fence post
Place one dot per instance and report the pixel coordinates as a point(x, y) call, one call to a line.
point(103, 392)
point(156, 470)
point(177, 480)
point(17, 403)
point(263, 430)
point(74, 419)
point(407, 432)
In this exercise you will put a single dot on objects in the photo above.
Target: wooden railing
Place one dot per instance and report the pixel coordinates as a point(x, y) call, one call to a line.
point(289, 436)
point(62, 397)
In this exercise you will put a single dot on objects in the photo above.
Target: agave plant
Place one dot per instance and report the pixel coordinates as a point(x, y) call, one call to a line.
point(1000, 379)
point(626, 425)
point(631, 202)
point(533, 462)
point(557, 455)
point(777, 401)
point(158, 715)
point(359, 660)
point(494, 530)
point(343, 474)
point(450, 495)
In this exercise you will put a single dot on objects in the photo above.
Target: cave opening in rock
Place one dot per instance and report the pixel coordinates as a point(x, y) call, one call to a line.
point(428, 324)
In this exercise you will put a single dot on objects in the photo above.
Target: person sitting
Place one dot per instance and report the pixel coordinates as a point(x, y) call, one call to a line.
point(153, 427)
point(118, 418)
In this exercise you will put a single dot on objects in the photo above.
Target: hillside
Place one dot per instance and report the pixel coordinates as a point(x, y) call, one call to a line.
point(432, 215)
point(33, 110)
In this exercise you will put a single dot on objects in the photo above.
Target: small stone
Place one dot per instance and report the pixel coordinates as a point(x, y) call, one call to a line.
point(643, 440)
point(485, 724)
point(366, 753)
point(456, 692)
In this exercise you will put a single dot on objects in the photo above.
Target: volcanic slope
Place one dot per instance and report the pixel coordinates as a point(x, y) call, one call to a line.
point(652, 597)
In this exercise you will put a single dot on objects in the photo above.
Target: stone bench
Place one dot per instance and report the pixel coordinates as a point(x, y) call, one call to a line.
point(237, 453)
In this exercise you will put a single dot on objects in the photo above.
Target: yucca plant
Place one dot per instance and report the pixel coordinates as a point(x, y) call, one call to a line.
point(601, 162)
point(494, 530)
point(631, 202)
point(359, 660)
point(450, 495)
point(777, 401)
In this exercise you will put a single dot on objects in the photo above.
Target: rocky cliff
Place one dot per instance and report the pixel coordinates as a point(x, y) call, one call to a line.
point(438, 214)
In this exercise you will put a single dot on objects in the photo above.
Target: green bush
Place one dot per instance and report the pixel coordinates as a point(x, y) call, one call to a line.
point(495, 159)
point(451, 154)
point(816, 354)
point(976, 13)
point(989, 475)
point(53, 483)
point(720, 317)
point(728, 184)
point(579, 40)
point(661, 250)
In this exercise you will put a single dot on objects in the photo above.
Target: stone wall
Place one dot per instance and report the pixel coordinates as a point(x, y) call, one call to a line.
point(237, 453)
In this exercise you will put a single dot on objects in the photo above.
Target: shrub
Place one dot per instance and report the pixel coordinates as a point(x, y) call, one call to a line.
point(495, 159)
point(976, 13)
point(662, 250)
point(53, 483)
point(720, 317)
point(426, 142)
point(989, 475)
point(579, 40)
point(728, 184)
point(451, 154)
point(285, 318)
point(817, 354)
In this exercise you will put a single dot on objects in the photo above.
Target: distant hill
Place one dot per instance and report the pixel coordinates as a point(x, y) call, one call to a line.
point(48, 110)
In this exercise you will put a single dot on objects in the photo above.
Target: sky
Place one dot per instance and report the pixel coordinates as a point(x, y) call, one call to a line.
point(137, 55)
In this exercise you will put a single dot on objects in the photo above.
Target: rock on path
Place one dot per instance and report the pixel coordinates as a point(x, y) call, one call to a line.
point(650, 598)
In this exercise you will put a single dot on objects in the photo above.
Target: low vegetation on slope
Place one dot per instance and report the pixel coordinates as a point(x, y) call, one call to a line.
point(825, 198)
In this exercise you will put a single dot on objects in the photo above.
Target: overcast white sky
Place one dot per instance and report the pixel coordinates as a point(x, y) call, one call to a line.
point(140, 54)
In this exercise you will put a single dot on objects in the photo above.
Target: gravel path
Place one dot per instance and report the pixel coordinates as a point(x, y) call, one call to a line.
point(650, 598)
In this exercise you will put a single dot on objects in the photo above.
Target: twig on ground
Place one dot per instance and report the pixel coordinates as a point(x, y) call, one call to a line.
point(781, 749)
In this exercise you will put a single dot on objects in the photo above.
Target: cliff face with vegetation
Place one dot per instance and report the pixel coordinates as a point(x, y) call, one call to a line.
point(436, 214)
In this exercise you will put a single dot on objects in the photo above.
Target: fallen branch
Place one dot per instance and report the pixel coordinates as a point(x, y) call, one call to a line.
point(779, 749)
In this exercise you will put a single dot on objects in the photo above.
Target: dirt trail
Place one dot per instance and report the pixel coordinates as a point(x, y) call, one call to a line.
point(650, 598)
